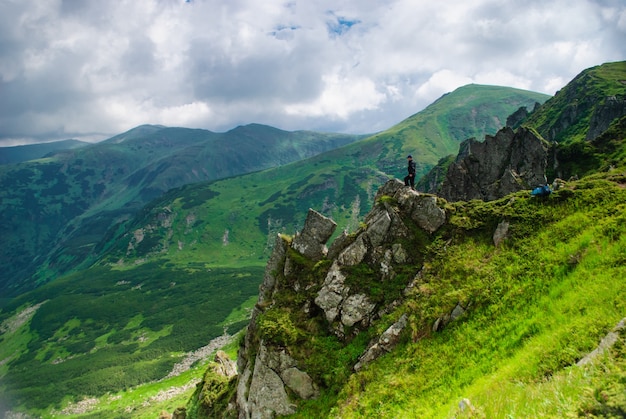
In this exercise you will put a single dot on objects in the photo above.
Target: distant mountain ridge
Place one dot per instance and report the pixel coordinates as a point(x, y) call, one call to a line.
point(21, 153)
point(56, 209)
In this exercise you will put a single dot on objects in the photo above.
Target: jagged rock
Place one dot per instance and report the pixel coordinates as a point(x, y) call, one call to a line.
point(386, 268)
point(353, 254)
point(501, 233)
point(332, 293)
point(389, 189)
point(224, 365)
point(504, 163)
point(515, 119)
point(377, 230)
point(339, 244)
point(275, 261)
point(427, 214)
point(266, 396)
point(311, 241)
point(423, 209)
point(604, 114)
point(385, 343)
point(355, 308)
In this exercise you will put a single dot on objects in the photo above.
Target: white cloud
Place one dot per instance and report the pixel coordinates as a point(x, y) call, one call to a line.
point(75, 68)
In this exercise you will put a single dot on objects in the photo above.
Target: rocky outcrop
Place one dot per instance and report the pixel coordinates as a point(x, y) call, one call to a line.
point(604, 114)
point(507, 162)
point(273, 379)
point(311, 242)
point(385, 343)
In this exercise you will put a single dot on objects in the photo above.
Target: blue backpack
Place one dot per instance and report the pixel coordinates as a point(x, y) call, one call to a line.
point(543, 190)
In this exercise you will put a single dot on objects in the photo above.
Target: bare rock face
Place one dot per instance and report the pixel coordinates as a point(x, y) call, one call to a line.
point(507, 162)
point(385, 343)
point(311, 242)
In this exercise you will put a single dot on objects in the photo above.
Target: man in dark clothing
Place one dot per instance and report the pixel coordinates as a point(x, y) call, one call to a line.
point(410, 179)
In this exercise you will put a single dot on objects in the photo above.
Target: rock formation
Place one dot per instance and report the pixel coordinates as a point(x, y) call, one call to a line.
point(273, 379)
point(507, 162)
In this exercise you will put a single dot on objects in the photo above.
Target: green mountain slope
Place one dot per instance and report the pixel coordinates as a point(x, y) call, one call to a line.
point(584, 108)
point(491, 331)
point(54, 210)
point(489, 328)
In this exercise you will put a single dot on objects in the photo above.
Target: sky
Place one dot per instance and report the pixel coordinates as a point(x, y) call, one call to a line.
point(91, 69)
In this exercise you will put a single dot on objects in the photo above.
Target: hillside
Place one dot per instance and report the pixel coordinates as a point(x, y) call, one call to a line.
point(452, 319)
point(54, 210)
point(584, 108)
point(217, 233)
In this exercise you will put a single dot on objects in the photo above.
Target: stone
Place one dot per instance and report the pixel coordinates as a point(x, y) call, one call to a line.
point(353, 254)
point(339, 244)
point(378, 228)
point(606, 343)
point(389, 188)
point(355, 308)
point(300, 383)
point(267, 396)
point(311, 241)
point(399, 254)
point(501, 233)
point(276, 259)
point(385, 343)
point(331, 295)
point(224, 365)
point(427, 214)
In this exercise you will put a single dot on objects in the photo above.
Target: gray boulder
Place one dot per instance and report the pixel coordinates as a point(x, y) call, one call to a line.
point(311, 241)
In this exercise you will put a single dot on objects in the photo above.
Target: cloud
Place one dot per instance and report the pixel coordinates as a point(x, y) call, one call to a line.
point(89, 69)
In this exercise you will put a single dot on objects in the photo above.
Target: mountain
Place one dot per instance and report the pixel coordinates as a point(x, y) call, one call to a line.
point(21, 153)
point(54, 210)
point(584, 108)
point(577, 126)
point(169, 277)
point(508, 306)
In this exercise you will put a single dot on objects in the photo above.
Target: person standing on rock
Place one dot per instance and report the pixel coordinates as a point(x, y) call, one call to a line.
point(410, 178)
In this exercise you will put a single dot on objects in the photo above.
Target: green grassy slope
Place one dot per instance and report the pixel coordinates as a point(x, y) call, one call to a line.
point(536, 305)
point(569, 114)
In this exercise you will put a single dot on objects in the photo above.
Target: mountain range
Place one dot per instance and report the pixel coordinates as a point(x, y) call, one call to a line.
point(143, 266)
